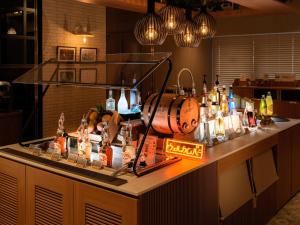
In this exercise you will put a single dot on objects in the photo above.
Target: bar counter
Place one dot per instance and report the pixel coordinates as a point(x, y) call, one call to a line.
point(217, 187)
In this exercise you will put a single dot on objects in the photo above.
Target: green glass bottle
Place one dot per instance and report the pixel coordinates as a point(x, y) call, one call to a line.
point(263, 106)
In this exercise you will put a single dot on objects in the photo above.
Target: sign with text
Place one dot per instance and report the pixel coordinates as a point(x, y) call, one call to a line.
point(184, 148)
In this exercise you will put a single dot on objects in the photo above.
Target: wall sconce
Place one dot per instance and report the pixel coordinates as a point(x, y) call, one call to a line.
point(80, 31)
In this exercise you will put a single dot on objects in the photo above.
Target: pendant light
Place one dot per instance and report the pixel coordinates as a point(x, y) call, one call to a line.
point(206, 23)
point(188, 36)
point(150, 30)
point(172, 17)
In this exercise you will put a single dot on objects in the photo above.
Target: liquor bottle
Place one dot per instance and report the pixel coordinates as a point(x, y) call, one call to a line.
point(122, 103)
point(84, 144)
point(218, 91)
point(231, 101)
point(133, 96)
point(269, 102)
point(206, 136)
point(214, 101)
point(263, 106)
point(204, 88)
point(110, 102)
point(224, 101)
point(220, 126)
point(61, 136)
point(107, 149)
point(251, 119)
point(204, 105)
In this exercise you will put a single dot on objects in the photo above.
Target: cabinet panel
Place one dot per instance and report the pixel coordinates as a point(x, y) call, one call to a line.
point(12, 192)
point(295, 159)
point(284, 150)
point(49, 198)
point(97, 206)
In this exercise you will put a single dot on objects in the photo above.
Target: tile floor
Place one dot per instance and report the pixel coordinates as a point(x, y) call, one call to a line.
point(289, 214)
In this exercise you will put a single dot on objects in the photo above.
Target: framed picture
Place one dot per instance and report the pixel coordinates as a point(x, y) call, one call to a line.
point(66, 54)
point(67, 75)
point(88, 76)
point(88, 54)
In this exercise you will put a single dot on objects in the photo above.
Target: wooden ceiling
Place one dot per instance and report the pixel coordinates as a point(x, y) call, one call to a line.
point(248, 7)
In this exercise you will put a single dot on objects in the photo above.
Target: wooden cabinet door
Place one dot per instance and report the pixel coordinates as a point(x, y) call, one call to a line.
point(97, 206)
point(284, 151)
point(295, 159)
point(49, 198)
point(12, 192)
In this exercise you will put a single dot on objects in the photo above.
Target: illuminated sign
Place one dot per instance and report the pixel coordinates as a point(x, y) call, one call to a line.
point(184, 148)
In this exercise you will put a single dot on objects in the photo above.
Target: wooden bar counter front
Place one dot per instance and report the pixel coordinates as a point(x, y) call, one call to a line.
point(242, 181)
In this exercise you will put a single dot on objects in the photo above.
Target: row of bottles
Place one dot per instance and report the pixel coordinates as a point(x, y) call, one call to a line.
point(216, 101)
point(135, 101)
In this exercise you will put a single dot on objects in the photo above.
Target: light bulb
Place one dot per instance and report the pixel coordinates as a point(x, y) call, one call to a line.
point(188, 37)
point(204, 29)
point(171, 23)
point(84, 39)
point(151, 34)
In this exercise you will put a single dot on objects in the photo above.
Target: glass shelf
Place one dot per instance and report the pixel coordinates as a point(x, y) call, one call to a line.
point(114, 72)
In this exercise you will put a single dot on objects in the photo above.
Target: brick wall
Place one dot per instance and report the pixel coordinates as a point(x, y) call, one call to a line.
point(74, 102)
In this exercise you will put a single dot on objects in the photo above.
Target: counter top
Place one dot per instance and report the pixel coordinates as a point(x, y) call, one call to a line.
point(136, 186)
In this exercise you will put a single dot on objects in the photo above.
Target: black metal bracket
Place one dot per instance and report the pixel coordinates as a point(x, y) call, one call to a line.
point(141, 144)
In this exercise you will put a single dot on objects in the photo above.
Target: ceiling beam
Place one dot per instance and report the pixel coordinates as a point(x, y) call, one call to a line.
point(268, 6)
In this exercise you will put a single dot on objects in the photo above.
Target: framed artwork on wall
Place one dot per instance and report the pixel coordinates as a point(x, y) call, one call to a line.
point(88, 54)
point(88, 76)
point(67, 75)
point(66, 54)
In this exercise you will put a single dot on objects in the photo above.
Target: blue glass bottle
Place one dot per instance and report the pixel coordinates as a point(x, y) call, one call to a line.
point(231, 100)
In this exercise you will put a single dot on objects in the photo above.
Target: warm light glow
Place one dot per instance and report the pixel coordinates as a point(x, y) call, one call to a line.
point(204, 29)
point(188, 36)
point(151, 34)
point(171, 23)
point(84, 39)
point(184, 148)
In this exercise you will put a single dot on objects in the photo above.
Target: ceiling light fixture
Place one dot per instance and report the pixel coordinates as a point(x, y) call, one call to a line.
point(206, 23)
point(172, 17)
point(150, 30)
point(188, 36)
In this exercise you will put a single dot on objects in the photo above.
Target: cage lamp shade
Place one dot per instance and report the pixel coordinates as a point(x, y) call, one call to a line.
point(150, 30)
point(188, 36)
point(206, 24)
point(173, 18)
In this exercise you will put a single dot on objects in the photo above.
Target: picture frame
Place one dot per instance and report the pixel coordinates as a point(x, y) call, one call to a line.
point(67, 75)
point(88, 54)
point(88, 76)
point(66, 54)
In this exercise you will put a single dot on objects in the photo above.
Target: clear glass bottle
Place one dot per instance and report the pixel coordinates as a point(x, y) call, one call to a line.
point(214, 101)
point(263, 106)
point(224, 102)
point(61, 136)
point(133, 96)
point(110, 102)
point(122, 103)
point(84, 144)
point(269, 103)
point(218, 96)
point(220, 126)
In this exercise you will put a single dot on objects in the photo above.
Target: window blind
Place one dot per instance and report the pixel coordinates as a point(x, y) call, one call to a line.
point(258, 56)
